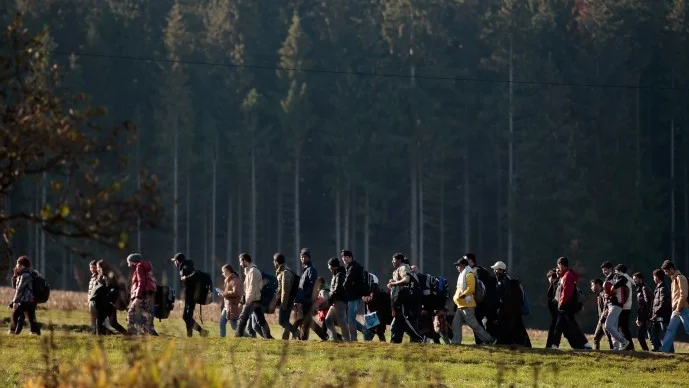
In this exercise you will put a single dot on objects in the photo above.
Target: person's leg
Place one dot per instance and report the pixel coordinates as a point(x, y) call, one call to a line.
point(642, 334)
point(283, 321)
point(304, 327)
point(654, 334)
point(33, 322)
point(611, 323)
point(670, 333)
point(114, 323)
point(261, 320)
point(188, 317)
point(551, 330)
point(410, 326)
point(341, 317)
point(329, 323)
point(480, 313)
point(598, 335)
point(223, 323)
point(470, 320)
point(578, 340)
point(243, 321)
point(147, 314)
point(94, 315)
point(623, 326)
point(133, 316)
point(457, 323)
point(352, 311)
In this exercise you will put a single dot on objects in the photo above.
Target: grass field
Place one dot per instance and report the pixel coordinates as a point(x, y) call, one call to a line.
point(68, 356)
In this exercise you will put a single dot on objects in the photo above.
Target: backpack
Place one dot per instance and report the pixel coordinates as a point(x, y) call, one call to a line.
point(480, 292)
point(439, 292)
point(40, 288)
point(164, 302)
point(295, 287)
point(204, 288)
point(579, 298)
point(369, 283)
point(425, 281)
point(270, 287)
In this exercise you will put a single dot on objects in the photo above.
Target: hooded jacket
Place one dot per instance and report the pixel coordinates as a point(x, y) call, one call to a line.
point(662, 308)
point(143, 281)
point(24, 289)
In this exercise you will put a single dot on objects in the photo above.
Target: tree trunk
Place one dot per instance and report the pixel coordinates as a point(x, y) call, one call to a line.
point(188, 217)
point(637, 180)
point(279, 209)
point(64, 267)
point(673, 235)
point(498, 207)
point(175, 193)
point(413, 229)
point(338, 217)
point(229, 254)
point(367, 235)
point(420, 260)
point(214, 200)
point(138, 187)
point(510, 184)
point(467, 203)
point(347, 215)
point(44, 181)
point(254, 198)
point(686, 217)
point(352, 223)
point(297, 211)
point(442, 228)
point(240, 215)
point(205, 239)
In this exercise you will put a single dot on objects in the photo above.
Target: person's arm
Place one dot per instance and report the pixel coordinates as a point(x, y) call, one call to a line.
point(404, 278)
point(470, 285)
point(567, 290)
point(683, 292)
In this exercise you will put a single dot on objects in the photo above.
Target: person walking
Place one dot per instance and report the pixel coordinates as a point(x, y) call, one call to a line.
point(286, 294)
point(644, 297)
point(233, 288)
point(400, 287)
point(662, 309)
point(466, 304)
point(140, 311)
point(252, 298)
point(680, 306)
point(567, 307)
point(191, 284)
point(23, 302)
point(307, 293)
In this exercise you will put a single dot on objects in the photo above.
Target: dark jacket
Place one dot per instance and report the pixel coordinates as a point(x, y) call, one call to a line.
point(307, 282)
point(354, 281)
point(662, 307)
point(381, 305)
point(186, 268)
point(552, 303)
point(490, 283)
point(644, 296)
point(337, 290)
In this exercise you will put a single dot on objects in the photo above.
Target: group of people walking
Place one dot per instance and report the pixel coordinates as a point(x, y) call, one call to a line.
point(412, 303)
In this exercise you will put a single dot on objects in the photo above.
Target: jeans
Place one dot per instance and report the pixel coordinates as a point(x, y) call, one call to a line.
point(337, 313)
point(17, 319)
point(249, 309)
point(599, 334)
point(353, 325)
point(223, 323)
point(677, 319)
point(611, 325)
point(656, 333)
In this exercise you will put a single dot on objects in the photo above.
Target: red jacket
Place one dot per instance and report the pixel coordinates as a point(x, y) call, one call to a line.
point(142, 279)
point(568, 281)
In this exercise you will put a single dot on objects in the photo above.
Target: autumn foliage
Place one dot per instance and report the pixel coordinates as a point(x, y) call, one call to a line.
point(50, 136)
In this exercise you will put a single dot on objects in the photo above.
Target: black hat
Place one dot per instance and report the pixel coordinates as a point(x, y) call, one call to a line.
point(305, 252)
point(462, 261)
point(178, 257)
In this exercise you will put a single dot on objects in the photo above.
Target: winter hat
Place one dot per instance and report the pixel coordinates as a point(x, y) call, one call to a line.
point(305, 252)
point(134, 258)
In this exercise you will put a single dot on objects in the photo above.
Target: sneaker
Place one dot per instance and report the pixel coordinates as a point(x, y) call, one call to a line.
point(587, 346)
point(493, 341)
point(554, 347)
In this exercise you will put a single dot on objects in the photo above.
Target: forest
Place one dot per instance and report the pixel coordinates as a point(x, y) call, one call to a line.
point(520, 130)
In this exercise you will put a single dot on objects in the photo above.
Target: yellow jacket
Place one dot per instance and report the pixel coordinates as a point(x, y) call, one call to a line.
point(680, 291)
point(466, 286)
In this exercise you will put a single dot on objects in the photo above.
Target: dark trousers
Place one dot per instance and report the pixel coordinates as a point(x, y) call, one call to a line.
point(489, 312)
point(623, 326)
point(247, 310)
point(567, 323)
point(599, 334)
point(657, 333)
point(551, 330)
point(188, 317)
point(17, 322)
point(306, 322)
point(642, 335)
point(404, 321)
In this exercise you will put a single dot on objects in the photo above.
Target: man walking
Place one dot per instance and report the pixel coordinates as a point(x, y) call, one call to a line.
point(353, 286)
point(662, 309)
point(488, 307)
point(680, 307)
point(616, 294)
point(286, 279)
point(567, 307)
point(626, 314)
point(644, 297)
point(466, 304)
point(191, 284)
point(252, 298)
point(401, 296)
point(306, 294)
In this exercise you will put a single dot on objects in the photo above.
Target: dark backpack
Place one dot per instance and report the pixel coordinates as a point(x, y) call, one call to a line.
point(425, 281)
point(164, 301)
point(40, 288)
point(369, 284)
point(295, 287)
point(480, 292)
point(270, 287)
point(204, 288)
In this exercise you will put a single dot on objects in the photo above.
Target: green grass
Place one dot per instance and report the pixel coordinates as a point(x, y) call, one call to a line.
point(278, 363)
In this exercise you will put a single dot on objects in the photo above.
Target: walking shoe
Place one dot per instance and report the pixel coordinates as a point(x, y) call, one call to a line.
point(493, 341)
point(554, 347)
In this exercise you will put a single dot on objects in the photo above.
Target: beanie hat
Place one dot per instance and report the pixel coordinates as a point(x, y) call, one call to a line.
point(134, 258)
